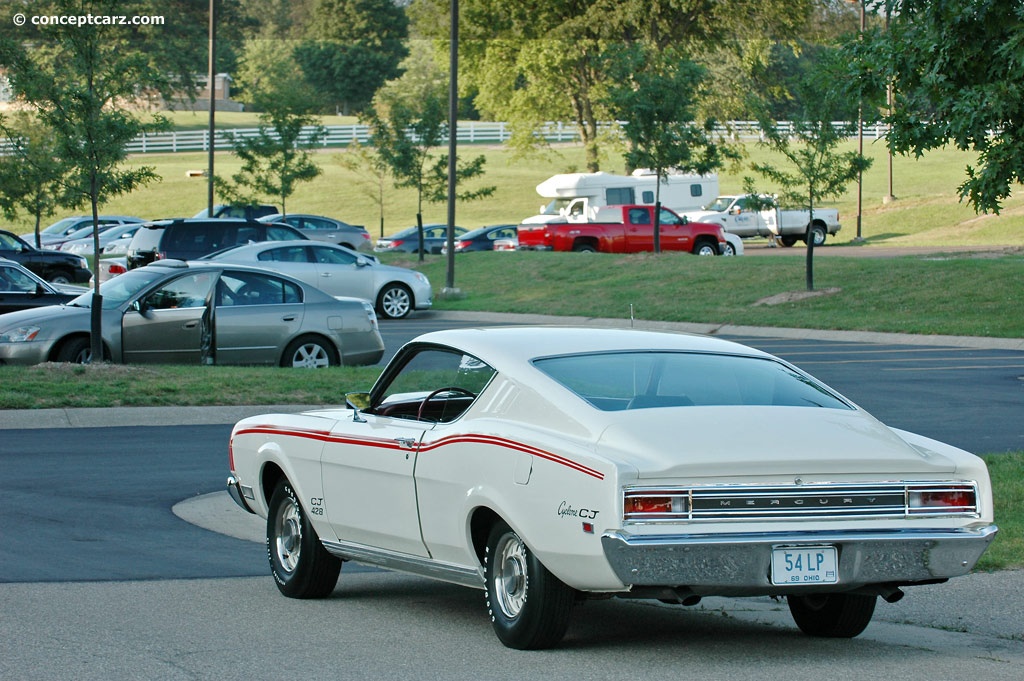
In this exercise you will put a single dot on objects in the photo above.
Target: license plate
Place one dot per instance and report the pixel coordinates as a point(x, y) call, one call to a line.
point(804, 565)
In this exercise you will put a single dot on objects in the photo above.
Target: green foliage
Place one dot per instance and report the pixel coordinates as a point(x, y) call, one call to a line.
point(31, 171)
point(270, 77)
point(275, 160)
point(955, 68)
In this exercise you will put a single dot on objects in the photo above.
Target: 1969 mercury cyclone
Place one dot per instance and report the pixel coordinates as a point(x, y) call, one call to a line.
point(550, 465)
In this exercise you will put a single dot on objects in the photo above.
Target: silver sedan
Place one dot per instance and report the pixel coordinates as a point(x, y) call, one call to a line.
point(172, 312)
point(339, 271)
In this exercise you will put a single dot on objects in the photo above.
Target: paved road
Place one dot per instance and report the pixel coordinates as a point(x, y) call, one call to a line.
point(101, 578)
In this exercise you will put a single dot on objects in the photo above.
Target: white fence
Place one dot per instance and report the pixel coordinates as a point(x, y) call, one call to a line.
point(470, 132)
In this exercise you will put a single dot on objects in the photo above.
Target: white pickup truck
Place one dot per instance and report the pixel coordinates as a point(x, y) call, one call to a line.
point(734, 215)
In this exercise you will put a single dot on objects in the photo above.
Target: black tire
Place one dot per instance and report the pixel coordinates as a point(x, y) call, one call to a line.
point(309, 352)
point(787, 240)
point(584, 247)
point(301, 566)
point(730, 250)
point(75, 351)
point(832, 615)
point(705, 247)
point(529, 606)
point(61, 277)
point(394, 301)
point(819, 234)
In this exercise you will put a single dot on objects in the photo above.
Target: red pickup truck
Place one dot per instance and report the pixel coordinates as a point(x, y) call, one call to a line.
point(623, 229)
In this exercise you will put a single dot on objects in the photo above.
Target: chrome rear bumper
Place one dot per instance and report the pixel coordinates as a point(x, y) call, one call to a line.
point(740, 564)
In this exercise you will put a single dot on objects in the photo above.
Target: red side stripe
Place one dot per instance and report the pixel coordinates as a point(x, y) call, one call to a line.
point(326, 436)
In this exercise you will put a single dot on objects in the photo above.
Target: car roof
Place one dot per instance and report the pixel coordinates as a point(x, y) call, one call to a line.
point(521, 344)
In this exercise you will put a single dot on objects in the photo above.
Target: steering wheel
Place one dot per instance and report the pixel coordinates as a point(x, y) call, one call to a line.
point(449, 389)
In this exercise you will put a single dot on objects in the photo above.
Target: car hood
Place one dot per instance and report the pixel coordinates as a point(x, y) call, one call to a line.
point(40, 315)
point(699, 215)
point(757, 442)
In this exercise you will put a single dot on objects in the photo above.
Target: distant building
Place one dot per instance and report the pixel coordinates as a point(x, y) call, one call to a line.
point(221, 95)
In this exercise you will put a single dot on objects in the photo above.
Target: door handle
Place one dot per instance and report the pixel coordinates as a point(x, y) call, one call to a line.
point(288, 318)
point(191, 325)
point(406, 442)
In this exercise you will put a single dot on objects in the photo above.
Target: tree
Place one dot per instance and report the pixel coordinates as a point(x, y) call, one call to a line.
point(31, 172)
point(656, 98)
point(353, 48)
point(408, 121)
point(815, 171)
point(275, 159)
point(955, 67)
point(269, 77)
point(78, 79)
point(537, 61)
point(371, 172)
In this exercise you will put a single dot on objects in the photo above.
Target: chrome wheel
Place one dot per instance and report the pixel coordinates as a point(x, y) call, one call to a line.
point(511, 576)
point(288, 536)
point(309, 352)
point(395, 302)
point(310, 356)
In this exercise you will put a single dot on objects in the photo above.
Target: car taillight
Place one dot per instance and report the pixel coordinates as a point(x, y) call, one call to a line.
point(462, 245)
point(640, 505)
point(397, 242)
point(942, 499)
point(117, 269)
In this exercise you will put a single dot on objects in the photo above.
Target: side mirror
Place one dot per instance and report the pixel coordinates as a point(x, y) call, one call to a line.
point(735, 210)
point(357, 402)
point(362, 262)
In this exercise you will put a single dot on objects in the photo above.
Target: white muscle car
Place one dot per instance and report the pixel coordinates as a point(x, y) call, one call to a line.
point(550, 465)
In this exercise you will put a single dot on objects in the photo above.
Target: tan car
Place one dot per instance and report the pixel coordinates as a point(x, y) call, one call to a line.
point(178, 313)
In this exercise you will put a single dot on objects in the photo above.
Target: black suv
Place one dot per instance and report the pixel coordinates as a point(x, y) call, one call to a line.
point(54, 266)
point(191, 238)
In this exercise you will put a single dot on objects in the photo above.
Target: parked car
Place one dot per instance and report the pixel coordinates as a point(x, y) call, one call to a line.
point(20, 289)
point(173, 312)
point(482, 239)
point(511, 244)
point(407, 240)
point(188, 239)
point(53, 266)
point(59, 230)
point(550, 465)
point(395, 291)
point(108, 234)
point(322, 228)
point(252, 212)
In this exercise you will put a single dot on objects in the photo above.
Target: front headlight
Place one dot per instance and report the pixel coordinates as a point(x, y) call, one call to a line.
point(22, 334)
point(422, 277)
point(83, 263)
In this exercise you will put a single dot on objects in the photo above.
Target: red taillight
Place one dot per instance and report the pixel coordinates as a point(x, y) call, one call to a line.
point(397, 242)
point(117, 269)
point(648, 505)
point(640, 505)
point(942, 499)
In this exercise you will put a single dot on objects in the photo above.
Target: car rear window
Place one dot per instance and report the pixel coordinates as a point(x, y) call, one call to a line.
point(640, 380)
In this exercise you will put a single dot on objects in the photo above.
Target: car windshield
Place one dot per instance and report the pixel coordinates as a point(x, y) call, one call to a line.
point(638, 380)
point(720, 204)
point(120, 289)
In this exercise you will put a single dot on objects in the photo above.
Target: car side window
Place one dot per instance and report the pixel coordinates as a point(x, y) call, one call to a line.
point(253, 288)
point(433, 385)
point(284, 254)
point(332, 256)
point(277, 233)
point(189, 291)
point(16, 281)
